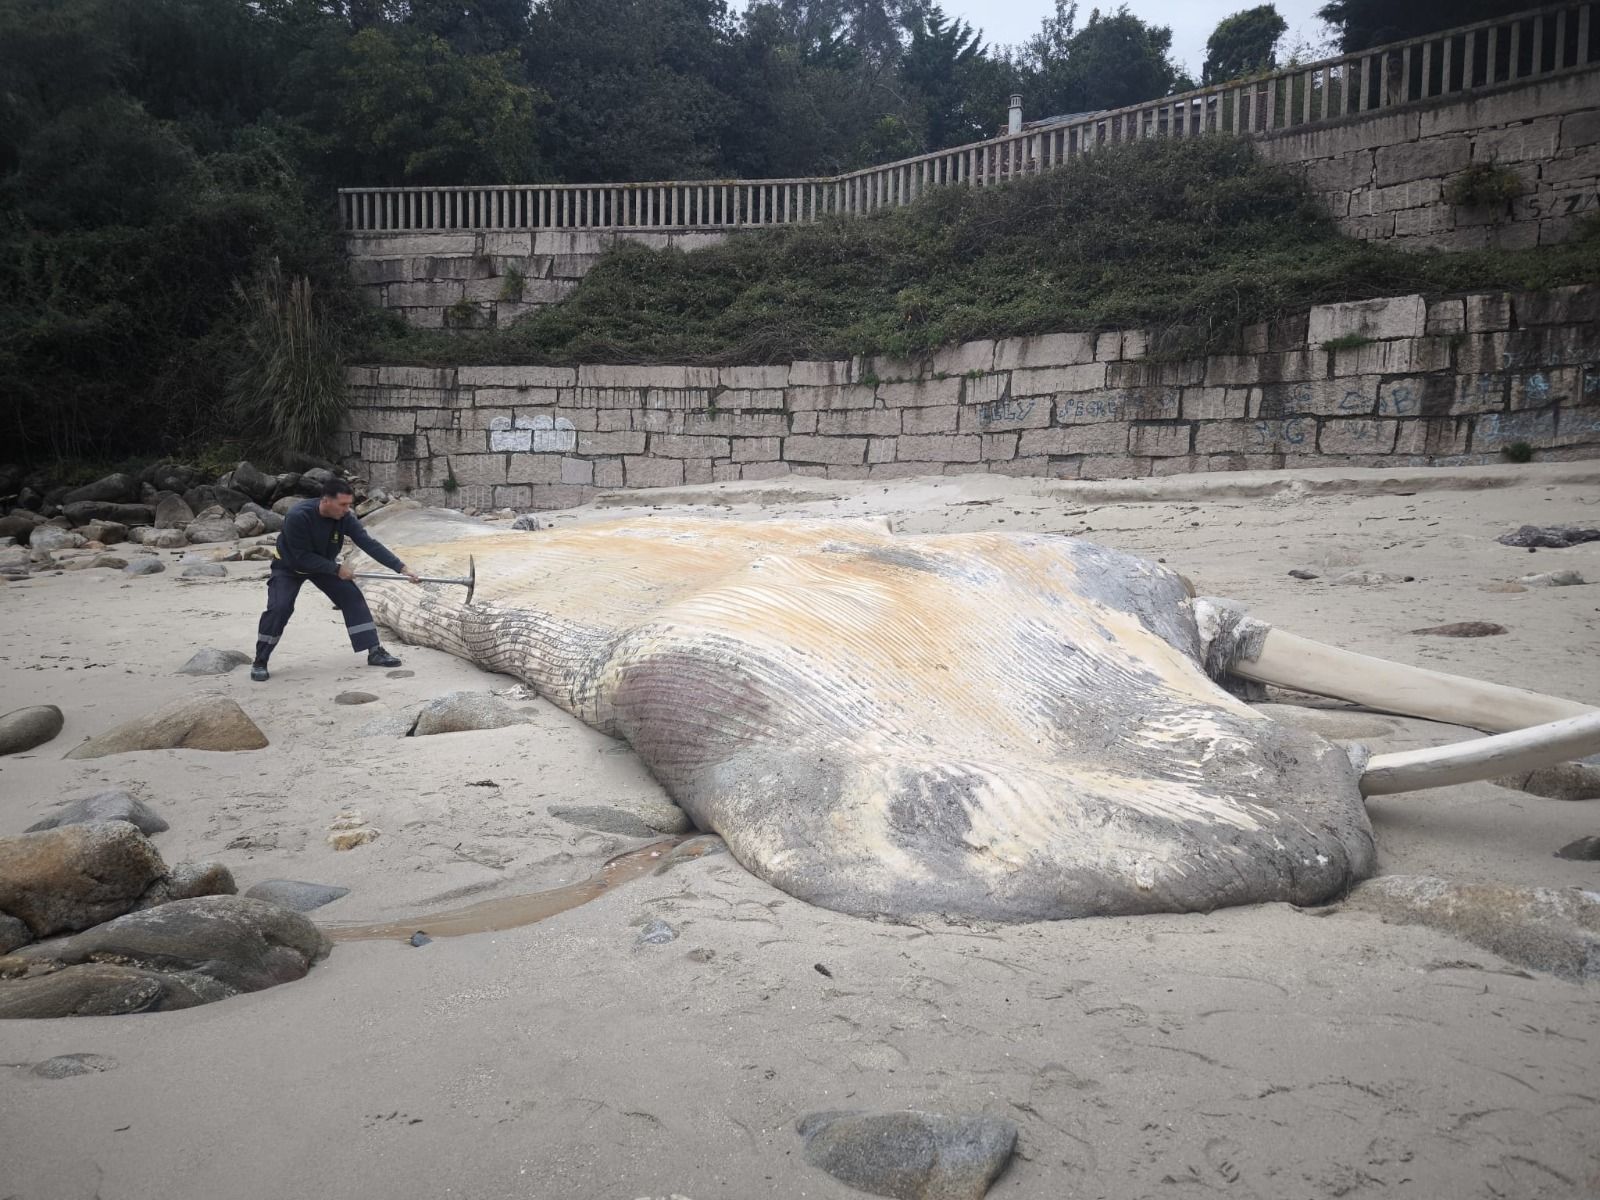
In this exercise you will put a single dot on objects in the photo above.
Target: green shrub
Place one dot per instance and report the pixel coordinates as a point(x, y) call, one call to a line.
point(1518, 452)
point(1484, 185)
point(288, 381)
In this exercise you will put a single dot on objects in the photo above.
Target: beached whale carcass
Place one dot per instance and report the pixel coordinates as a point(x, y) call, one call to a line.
point(993, 725)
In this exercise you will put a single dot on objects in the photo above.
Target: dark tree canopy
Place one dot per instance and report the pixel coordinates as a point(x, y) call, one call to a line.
point(1114, 60)
point(165, 165)
point(1243, 44)
point(937, 55)
point(1366, 23)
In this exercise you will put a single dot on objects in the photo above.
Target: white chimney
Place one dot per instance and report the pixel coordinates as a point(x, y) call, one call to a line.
point(1014, 123)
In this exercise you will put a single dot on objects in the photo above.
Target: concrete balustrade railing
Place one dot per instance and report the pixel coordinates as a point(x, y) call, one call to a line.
point(1533, 45)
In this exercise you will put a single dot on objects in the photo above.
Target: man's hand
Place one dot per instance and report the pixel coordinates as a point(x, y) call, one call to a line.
point(345, 572)
point(411, 575)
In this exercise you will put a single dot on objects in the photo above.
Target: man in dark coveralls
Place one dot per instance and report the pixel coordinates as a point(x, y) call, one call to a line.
point(314, 532)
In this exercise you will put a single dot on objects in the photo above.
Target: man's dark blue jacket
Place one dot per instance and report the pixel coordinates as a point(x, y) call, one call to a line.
point(309, 543)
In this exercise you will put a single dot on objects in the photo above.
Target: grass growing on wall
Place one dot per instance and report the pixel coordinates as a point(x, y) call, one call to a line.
point(1191, 237)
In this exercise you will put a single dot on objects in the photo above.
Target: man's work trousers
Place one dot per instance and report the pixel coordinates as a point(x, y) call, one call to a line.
point(283, 585)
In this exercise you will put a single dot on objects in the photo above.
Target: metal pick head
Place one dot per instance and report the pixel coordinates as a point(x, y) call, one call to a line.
point(472, 577)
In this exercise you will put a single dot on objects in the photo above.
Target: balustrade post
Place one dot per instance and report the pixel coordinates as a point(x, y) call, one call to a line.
point(1561, 40)
point(1583, 36)
point(1516, 52)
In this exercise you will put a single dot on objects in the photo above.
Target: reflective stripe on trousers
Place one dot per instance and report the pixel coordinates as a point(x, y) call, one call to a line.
point(283, 586)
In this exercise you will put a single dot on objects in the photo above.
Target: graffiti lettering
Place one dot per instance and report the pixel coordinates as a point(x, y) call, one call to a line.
point(1094, 407)
point(1398, 400)
point(1568, 205)
point(1292, 432)
point(1006, 409)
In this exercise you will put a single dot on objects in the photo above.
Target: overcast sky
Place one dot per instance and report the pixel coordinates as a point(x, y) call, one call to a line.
point(1008, 22)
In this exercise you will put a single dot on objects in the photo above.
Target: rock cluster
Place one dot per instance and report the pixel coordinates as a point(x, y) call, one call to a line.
point(94, 923)
point(167, 506)
point(178, 955)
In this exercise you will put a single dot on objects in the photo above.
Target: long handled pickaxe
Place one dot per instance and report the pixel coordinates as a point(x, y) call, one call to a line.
point(470, 582)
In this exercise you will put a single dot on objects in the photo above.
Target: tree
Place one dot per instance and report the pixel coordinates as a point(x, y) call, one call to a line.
point(393, 105)
point(801, 100)
point(1113, 61)
point(634, 87)
point(62, 174)
point(1366, 23)
point(1055, 35)
point(472, 26)
point(935, 59)
point(1243, 44)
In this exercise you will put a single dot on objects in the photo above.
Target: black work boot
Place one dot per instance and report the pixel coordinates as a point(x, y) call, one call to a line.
point(379, 657)
point(258, 671)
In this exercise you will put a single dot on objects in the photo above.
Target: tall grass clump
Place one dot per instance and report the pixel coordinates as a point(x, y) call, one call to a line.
point(287, 385)
point(1191, 238)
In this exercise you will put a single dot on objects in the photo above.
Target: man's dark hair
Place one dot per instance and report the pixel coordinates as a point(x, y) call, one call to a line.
point(337, 487)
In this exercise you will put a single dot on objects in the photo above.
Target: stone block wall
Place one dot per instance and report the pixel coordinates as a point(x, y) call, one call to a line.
point(463, 280)
point(1383, 177)
point(1399, 381)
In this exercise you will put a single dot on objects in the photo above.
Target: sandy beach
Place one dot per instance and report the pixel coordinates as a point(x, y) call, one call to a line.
point(1249, 1052)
